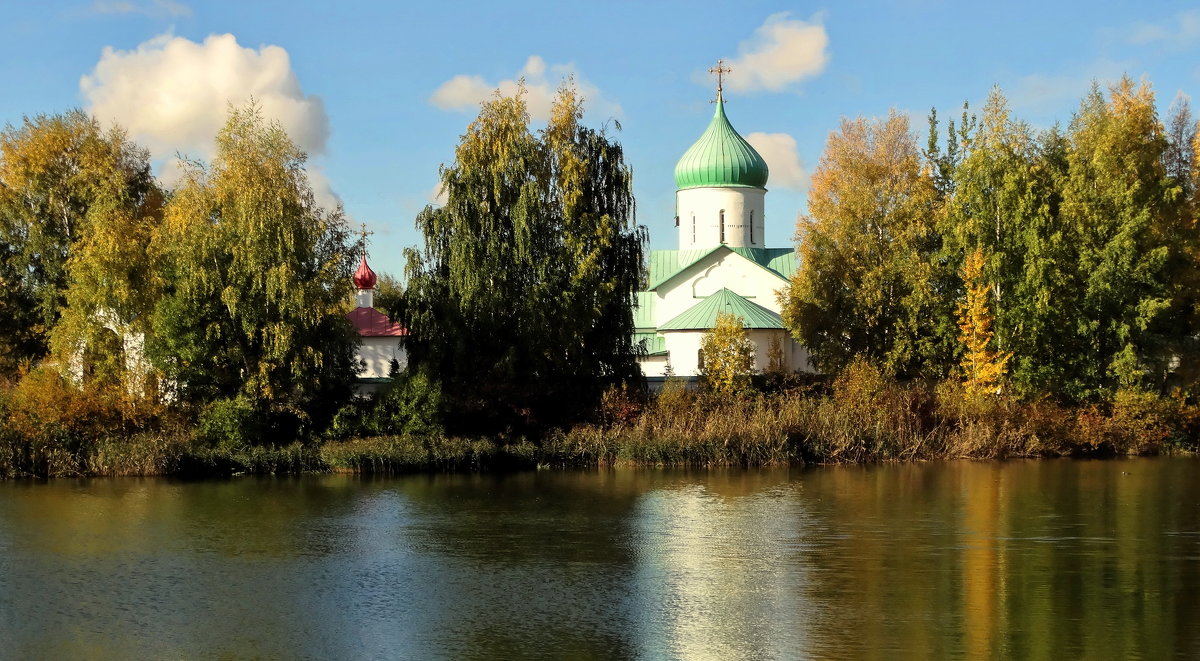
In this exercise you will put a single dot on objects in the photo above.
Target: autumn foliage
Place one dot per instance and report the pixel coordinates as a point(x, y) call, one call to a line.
point(983, 367)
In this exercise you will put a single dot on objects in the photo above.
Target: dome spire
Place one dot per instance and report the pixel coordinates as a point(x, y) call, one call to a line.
point(720, 70)
point(364, 278)
point(721, 158)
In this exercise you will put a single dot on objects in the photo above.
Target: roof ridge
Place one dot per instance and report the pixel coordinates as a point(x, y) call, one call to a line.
point(663, 278)
point(702, 316)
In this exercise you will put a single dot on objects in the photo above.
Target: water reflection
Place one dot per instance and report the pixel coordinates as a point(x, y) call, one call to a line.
point(1052, 559)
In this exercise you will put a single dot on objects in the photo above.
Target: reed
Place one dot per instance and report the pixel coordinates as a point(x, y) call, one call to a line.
point(408, 453)
point(860, 417)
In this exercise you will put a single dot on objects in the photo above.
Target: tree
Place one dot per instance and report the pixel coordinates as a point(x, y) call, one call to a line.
point(388, 293)
point(256, 278)
point(864, 282)
point(521, 299)
point(726, 356)
point(1006, 203)
point(1135, 241)
point(65, 182)
point(983, 367)
point(1181, 136)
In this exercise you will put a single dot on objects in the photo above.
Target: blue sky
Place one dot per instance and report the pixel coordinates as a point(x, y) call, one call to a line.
point(380, 92)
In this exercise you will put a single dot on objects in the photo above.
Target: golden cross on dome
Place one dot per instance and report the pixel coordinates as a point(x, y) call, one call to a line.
point(720, 70)
point(365, 233)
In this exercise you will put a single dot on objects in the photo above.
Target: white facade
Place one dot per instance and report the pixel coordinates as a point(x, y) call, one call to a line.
point(720, 204)
point(380, 340)
point(376, 355)
point(720, 269)
point(716, 215)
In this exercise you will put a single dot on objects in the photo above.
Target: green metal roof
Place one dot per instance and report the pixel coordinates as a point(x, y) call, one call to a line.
point(666, 264)
point(656, 345)
point(703, 315)
point(643, 311)
point(721, 158)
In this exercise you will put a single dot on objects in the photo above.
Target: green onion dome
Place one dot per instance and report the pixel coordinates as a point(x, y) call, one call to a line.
point(721, 157)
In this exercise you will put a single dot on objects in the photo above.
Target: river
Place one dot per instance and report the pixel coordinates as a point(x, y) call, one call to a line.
point(1052, 559)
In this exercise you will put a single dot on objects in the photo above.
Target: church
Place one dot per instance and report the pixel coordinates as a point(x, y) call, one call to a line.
point(380, 340)
point(722, 263)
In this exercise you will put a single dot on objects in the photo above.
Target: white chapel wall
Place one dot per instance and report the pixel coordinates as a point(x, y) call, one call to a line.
point(723, 269)
point(378, 353)
point(706, 204)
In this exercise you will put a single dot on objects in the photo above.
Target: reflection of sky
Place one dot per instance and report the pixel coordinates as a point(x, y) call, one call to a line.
point(721, 576)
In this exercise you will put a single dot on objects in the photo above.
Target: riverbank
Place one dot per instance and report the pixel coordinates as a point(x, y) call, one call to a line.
point(853, 422)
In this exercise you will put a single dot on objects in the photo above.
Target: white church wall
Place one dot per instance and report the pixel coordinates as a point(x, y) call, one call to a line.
point(721, 269)
point(377, 353)
point(762, 347)
point(795, 357)
point(684, 349)
point(798, 360)
point(654, 366)
point(705, 206)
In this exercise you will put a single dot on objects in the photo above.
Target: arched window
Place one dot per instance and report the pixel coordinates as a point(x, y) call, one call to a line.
point(752, 226)
point(722, 226)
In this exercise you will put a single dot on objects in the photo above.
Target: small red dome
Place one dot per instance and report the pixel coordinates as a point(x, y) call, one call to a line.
point(364, 277)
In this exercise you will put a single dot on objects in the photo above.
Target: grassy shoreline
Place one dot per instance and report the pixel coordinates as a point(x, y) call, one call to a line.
point(871, 422)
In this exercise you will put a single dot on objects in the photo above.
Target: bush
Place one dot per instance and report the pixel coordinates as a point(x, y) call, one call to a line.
point(229, 424)
point(410, 405)
point(620, 405)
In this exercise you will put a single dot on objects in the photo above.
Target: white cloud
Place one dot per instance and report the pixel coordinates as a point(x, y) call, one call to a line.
point(172, 95)
point(782, 52)
point(437, 195)
point(1180, 34)
point(322, 189)
point(779, 151)
point(465, 93)
point(152, 8)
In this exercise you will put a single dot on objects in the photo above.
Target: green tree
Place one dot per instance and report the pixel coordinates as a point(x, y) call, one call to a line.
point(521, 298)
point(389, 292)
point(864, 282)
point(1006, 202)
point(1135, 239)
point(726, 356)
point(64, 181)
point(257, 276)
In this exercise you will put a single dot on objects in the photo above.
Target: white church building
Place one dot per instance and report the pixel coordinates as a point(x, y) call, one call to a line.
point(722, 263)
point(380, 344)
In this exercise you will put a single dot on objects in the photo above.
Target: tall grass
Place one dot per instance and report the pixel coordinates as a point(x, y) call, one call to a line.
point(406, 454)
point(859, 417)
point(867, 417)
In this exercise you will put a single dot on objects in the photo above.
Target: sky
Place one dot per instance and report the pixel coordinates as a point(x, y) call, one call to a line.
point(378, 93)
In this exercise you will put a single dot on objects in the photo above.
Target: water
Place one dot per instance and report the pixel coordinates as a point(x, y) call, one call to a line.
point(1022, 560)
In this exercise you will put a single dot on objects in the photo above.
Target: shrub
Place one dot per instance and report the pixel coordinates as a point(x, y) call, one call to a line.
point(229, 424)
point(726, 356)
point(410, 405)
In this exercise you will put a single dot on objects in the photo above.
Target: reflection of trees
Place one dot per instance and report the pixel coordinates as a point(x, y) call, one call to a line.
point(1044, 559)
point(151, 568)
point(1049, 559)
point(527, 564)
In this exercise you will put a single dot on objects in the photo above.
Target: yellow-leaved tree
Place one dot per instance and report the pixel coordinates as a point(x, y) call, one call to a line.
point(983, 367)
point(726, 356)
